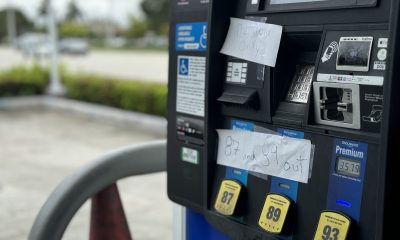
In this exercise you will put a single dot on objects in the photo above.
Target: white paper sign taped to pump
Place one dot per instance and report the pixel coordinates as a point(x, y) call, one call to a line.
point(253, 41)
point(269, 154)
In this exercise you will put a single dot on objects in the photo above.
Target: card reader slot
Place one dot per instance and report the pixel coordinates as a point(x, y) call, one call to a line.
point(329, 106)
point(345, 107)
point(337, 104)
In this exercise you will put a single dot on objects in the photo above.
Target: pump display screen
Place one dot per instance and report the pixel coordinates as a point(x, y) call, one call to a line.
point(348, 167)
point(294, 1)
point(354, 54)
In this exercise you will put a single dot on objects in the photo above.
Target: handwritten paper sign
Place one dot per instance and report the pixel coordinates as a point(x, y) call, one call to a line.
point(253, 41)
point(269, 154)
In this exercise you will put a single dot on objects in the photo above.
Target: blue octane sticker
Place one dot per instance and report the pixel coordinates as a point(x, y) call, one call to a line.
point(284, 186)
point(233, 173)
point(242, 125)
point(349, 159)
point(237, 174)
point(291, 133)
point(191, 36)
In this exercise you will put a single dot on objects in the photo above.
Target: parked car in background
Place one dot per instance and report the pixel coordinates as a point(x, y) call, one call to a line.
point(116, 42)
point(38, 45)
point(32, 43)
point(42, 50)
point(74, 46)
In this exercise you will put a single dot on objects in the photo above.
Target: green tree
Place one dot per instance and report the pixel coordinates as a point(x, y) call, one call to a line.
point(73, 12)
point(73, 29)
point(137, 28)
point(157, 15)
point(22, 22)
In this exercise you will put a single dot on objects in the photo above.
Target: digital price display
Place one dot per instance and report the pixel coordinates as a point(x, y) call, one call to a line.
point(348, 167)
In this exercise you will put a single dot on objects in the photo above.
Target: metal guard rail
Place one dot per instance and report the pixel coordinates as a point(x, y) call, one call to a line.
point(76, 189)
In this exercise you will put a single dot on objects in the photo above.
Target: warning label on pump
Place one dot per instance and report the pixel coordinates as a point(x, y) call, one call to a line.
point(190, 95)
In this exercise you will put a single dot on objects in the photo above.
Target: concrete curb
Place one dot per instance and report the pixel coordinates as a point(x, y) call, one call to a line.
point(150, 123)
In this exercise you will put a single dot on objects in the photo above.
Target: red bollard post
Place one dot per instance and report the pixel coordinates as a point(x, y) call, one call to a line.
point(108, 220)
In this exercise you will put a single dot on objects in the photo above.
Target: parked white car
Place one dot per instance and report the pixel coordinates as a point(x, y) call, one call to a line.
point(30, 43)
point(74, 46)
point(38, 45)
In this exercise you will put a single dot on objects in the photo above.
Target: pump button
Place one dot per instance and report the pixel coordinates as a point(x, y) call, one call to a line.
point(382, 54)
point(332, 225)
point(228, 197)
point(274, 213)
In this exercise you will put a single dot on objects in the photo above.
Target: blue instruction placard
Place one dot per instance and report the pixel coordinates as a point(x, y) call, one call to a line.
point(191, 36)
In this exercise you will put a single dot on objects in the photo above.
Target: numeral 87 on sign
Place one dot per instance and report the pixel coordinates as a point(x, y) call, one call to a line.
point(228, 197)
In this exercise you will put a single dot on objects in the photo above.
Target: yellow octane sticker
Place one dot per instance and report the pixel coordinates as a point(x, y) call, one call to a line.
point(333, 226)
point(274, 213)
point(228, 196)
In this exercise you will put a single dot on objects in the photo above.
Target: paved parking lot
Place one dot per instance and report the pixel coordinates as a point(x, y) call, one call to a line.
point(134, 65)
point(39, 147)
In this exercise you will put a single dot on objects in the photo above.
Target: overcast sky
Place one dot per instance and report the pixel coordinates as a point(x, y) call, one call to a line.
point(117, 9)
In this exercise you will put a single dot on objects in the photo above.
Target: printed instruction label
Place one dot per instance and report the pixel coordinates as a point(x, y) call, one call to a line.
point(190, 97)
point(191, 36)
point(253, 41)
point(356, 79)
point(380, 65)
point(269, 154)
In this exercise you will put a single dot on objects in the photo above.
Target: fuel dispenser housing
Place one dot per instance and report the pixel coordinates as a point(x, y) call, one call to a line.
point(334, 83)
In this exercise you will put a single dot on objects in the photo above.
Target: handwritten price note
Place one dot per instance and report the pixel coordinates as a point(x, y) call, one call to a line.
point(269, 154)
point(253, 41)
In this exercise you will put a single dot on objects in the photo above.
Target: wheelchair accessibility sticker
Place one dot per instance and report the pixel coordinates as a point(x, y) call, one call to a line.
point(191, 36)
point(184, 66)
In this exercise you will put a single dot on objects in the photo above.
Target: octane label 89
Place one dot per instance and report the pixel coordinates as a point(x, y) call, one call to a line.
point(274, 213)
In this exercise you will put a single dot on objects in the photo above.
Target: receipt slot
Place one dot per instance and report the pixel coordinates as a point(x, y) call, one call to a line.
point(282, 118)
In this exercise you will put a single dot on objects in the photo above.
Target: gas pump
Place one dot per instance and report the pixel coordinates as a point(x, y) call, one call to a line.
point(282, 118)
